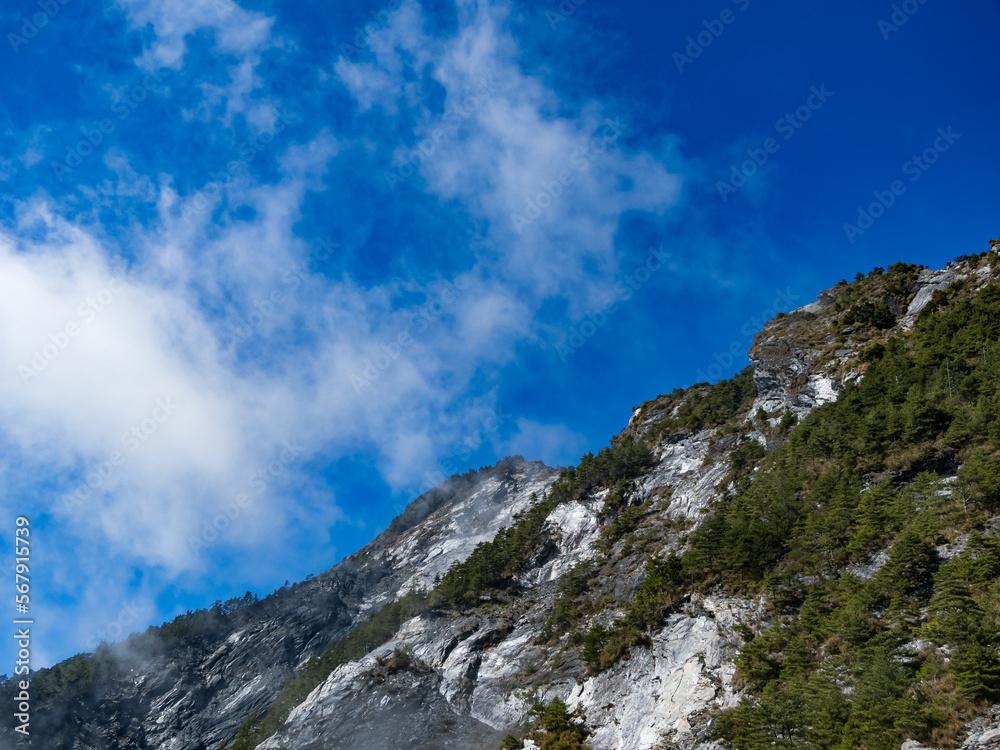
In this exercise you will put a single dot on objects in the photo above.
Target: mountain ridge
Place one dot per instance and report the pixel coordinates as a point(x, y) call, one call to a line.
point(595, 613)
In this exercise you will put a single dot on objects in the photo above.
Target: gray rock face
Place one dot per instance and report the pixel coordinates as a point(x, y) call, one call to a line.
point(663, 694)
point(491, 667)
point(792, 371)
point(369, 706)
point(928, 283)
point(194, 693)
point(412, 559)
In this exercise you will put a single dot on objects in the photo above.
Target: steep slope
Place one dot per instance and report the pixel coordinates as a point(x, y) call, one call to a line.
point(191, 683)
point(801, 556)
point(652, 660)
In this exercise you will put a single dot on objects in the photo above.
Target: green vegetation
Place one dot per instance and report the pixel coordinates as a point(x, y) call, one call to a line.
point(796, 316)
point(873, 353)
point(555, 728)
point(78, 674)
point(744, 458)
point(199, 623)
point(624, 522)
point(74, 675)
point(875, 314)
point(570, 605)
point(835, 671)
point(704, 406)
point(866, 306)
point(625, 517)
point(799, 669)
point(661, 589)
point(493, 564)
point(379, 628)
point(401, 658)
point(788, 420)
point(866, 300)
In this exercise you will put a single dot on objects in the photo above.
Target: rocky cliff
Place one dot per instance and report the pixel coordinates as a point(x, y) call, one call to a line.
point(604, 604)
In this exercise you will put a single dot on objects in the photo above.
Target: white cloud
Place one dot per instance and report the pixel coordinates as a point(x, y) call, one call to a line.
point(368, 84)
point(86, 355)
point(236, 31)
point(88, 352)
point(506, 146)
point(363, 374)
point(342, 368)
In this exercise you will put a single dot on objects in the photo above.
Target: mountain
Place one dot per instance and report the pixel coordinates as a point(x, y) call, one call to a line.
point(803, 555)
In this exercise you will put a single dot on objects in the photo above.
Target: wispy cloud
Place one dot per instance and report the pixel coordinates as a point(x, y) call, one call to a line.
point(139, 311)
point(516, 144)
point(240, 37)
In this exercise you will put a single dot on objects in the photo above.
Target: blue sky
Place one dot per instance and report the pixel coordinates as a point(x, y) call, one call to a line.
point(277, 267)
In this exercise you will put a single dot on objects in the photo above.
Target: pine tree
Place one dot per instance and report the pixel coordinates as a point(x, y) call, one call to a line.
point(558, 729)
point(979, 480)
point(879, 689)
point(873, 515)
point(977, 669)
